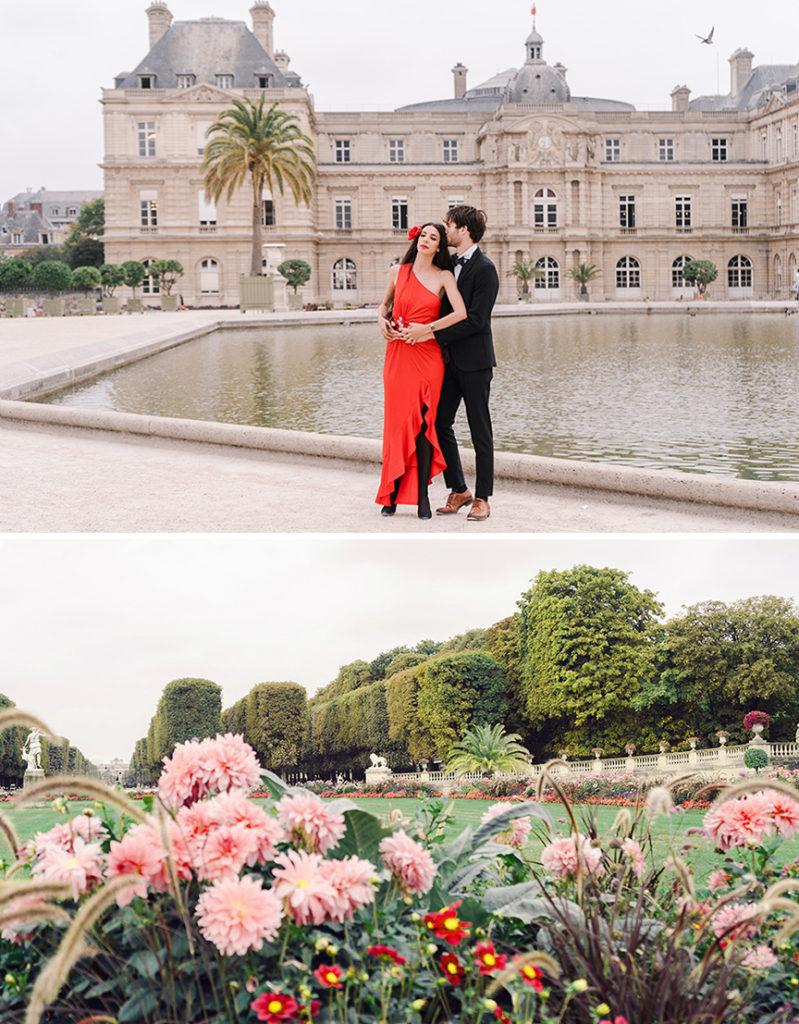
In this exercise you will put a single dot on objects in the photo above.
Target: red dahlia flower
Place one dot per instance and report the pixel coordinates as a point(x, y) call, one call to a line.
point(329, 975)
point(386, 953)
point(446, 924)
point(274, 1007)
point(452, 968)
point(487, 958)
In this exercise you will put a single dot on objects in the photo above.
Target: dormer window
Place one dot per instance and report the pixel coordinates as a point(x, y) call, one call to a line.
point(263, 81)
point(224, 81)
point(146, 81)
point(185, 81)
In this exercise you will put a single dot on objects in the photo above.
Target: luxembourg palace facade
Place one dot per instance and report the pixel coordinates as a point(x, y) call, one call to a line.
point(564, 180)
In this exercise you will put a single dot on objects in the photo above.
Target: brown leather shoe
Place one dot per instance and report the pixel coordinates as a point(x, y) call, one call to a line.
point(454, 502)
point(479, 510)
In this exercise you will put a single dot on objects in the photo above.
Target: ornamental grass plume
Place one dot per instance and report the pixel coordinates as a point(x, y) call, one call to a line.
point(238, 914)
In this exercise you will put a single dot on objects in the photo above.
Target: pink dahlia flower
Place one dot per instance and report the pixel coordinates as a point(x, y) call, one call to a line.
point(87, 826)
point(633, 850)
point(409, 863)
point(515, 833)
point(238, 914)
point(565, 857)
point(225, 852)
point(311, 825)
point(236, 809)
point(351, 879)
point(741, 822)
point(718, 880)
point(141, 855)
point(199, 768)
point(759, 959)
point(17, 921)
point(78, 867)
point(735, 921)
point(231, 764)
point(784, 812)
point(300, 882)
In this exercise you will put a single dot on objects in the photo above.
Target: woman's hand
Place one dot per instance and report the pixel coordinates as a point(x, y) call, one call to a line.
point(387, 329)
point(412, 333)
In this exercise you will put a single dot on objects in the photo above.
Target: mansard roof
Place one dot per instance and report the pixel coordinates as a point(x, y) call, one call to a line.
point(206, 48)
point(762, 83)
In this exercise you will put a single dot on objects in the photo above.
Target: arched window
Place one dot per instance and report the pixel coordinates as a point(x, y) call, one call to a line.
point(739, 272)
point(149, 285)
point(209, 277)
point(628, 273)
point(545, 209)
point(551, 276)
point(345, 275)
point(677, 280)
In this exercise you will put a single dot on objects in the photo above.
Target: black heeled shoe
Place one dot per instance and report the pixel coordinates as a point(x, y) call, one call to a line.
point(424, 511)
point(388, 510)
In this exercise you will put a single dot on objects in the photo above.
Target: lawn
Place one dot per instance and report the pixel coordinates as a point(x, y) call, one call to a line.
point(668, 830)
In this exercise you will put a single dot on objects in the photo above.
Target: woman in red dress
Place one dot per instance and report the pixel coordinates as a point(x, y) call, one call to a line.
point(414, 370)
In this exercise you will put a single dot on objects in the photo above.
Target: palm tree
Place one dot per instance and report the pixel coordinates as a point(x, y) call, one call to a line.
point(266, 147)
point(583, 273)
point(525, 270)
point(488, 749)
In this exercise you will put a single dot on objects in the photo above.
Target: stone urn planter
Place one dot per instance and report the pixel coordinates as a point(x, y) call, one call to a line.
point(134, 306)
point(53, 307)
point(256, 293)
point(86, 307)
point(169, 303)
point(15, 307)
point(111, 304)
point(295, 301)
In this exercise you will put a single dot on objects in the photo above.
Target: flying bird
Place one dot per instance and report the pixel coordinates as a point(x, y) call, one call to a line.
point(708, 38)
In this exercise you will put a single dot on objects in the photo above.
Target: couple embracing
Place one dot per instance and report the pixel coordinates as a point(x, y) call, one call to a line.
point(436, 320)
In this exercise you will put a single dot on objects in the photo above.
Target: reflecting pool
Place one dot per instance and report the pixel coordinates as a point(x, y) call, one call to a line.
point(713, 393)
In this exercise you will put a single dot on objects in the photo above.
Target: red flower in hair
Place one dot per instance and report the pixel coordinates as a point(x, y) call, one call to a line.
point(413, 233)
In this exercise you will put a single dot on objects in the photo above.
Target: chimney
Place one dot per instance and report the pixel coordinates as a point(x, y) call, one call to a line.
point(740, 70)
point(561, 70)
point(160, 19)
point(11, 208)
point(282, 61)
point(262, 18)
point(459, 74)
point(680, 95)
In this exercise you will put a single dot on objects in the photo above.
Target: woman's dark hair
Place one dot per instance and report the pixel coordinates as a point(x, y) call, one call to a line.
point(442, 258)
point(468, 217)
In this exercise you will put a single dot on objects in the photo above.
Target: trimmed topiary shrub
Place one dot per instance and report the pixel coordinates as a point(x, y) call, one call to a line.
point(756, 758)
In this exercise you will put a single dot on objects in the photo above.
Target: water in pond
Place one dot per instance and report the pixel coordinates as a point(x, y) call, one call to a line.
point(710, 394)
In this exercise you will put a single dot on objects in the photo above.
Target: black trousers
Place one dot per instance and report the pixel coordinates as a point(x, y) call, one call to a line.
point(473, 388)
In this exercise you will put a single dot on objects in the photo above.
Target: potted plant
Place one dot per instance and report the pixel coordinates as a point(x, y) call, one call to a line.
point(85, 279)
point(134, 275)
point(167, 272)
point(15, 274)
point(297, 273)
point(52, 276)
point(582, 274)
point(700, 273)
point(564, 752)
point(723, 736)
point(630, 748)
point(524, 270)
point(598, 752)
point(112, 276)
point(692, 741)
point(663, 746)
point(757, 721)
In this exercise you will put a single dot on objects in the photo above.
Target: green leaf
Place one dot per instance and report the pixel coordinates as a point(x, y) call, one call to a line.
point(136, 1007)
point(363, 836)
point(525, 902)
point(273, 784)
point(145, 963)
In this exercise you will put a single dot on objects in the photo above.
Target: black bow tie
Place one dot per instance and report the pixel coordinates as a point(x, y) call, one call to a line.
point(458, 261)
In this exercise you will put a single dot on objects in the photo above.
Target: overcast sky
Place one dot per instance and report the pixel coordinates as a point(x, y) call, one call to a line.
point(93, 628)
point(364, 54)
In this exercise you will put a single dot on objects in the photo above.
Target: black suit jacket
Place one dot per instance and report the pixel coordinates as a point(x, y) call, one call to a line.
point(470, 344)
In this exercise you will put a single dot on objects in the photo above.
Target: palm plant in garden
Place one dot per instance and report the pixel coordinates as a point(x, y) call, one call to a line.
point(583, 273)
point(266, 148)
point(525, 270)
point(488, 749)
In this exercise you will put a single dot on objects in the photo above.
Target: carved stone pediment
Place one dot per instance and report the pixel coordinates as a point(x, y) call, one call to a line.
point(204, 93)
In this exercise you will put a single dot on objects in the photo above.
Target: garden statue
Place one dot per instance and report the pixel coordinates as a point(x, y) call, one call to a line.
point(378, 761)
point(32, 751)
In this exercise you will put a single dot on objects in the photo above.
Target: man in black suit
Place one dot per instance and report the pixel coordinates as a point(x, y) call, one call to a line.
point(468, 351)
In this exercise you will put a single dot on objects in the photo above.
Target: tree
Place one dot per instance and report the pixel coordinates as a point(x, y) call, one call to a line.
point(83, 247)
point(167, 272)
point(488, 749)
point(188, 709)
point(700, 273)
point(14, 274)
point(276, 724)
point(86, 252)
point(134, 274)
point(583, 273)
point(112, 276)
point(266, 148)
point(525, 270)
point(457, 691)
point(52, 276)
point(86, 278)
point(296, 272)
point(587, 647)
point(721, 660)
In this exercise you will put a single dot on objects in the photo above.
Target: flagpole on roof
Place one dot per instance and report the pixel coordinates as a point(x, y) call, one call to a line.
point(532, 11)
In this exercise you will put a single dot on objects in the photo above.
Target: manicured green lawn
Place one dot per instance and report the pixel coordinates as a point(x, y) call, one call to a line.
point(668, 830)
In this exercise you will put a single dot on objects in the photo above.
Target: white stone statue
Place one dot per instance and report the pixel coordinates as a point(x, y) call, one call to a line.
point(378, 761)
point(797, 732)
point(32, 751)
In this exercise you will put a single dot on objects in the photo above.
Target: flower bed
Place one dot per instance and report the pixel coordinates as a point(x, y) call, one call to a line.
point(200, 905)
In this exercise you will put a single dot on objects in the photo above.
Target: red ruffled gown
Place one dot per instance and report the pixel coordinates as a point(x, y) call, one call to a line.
point(412, 377)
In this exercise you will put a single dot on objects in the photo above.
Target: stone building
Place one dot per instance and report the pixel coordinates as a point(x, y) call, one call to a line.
point(44, 217)
point(564, 179)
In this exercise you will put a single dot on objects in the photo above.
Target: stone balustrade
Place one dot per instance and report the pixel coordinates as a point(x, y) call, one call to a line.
point(719, 761)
